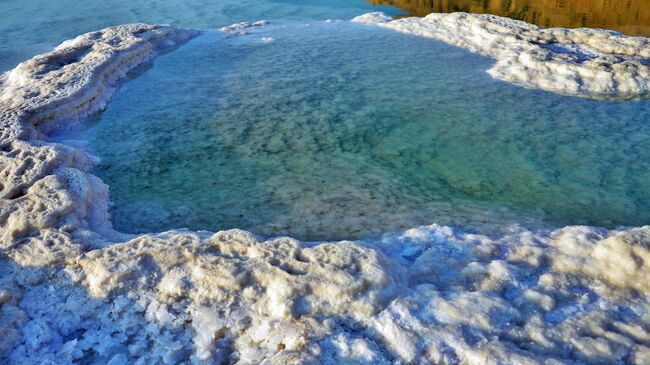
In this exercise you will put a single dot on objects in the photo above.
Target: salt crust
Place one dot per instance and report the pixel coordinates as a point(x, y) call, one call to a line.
point(243, 28)
point(73, 290)
point(592, 63)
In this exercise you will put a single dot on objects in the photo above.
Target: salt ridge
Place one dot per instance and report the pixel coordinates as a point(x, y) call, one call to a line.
point(73, 290)
point(591, 63)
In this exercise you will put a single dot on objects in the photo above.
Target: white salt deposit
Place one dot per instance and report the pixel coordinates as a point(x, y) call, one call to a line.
point(72, 290)
point(584, 62)
point(243, 28)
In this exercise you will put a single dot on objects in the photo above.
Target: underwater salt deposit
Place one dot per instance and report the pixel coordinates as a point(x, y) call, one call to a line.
point(307, 136)
point(492, 175)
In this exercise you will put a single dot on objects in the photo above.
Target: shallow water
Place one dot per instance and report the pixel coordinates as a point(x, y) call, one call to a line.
point(631, 17)
point(32, 27)
point(298, 129)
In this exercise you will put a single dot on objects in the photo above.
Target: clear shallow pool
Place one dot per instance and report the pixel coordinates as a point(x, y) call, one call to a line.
point(338, 130)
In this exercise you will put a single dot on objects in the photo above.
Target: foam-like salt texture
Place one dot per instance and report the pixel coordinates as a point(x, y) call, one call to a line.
point(72, 290)
point(592, 63)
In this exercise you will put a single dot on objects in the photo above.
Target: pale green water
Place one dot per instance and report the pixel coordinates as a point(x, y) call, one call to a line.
point(338, 131)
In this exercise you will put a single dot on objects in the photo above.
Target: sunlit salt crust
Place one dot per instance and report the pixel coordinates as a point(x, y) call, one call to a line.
point(73, 290)
point(592, 63)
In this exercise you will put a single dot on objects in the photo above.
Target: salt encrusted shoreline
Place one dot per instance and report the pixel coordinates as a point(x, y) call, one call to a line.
point(72, 289)
point(591, 63)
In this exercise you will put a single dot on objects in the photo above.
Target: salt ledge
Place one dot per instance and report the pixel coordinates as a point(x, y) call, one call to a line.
point(591, 63)
point(73, 290)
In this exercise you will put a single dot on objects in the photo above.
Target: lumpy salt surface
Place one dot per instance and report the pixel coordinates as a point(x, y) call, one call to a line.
point(329, 131)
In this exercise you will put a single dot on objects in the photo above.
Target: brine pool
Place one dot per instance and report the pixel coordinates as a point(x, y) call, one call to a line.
point(334, 130)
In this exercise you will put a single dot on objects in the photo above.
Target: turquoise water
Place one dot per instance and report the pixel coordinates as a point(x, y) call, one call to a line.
point(31, 27)
point(338, 130)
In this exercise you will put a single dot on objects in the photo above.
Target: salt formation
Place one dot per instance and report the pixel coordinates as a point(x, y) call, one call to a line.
point(72, 290)
point(584, 62)
point(242, 28)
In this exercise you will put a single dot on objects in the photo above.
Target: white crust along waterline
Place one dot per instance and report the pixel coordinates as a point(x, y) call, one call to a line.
point(585, 62)
point(74, 291)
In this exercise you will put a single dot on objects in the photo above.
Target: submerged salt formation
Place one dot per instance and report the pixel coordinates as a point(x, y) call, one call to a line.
point(584, 62)
point(72, 290)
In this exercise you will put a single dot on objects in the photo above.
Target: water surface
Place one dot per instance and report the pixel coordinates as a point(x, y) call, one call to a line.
point(28, 28)
point(31, 27)
point(300, 130)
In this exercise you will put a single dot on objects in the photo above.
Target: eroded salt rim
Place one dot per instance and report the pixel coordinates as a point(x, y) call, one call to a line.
point(591, 63)
point(70, 291)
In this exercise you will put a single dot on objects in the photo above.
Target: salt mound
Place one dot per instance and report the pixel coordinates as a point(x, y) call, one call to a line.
point(428, 295)
point(74, 291)
point(584, 62)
